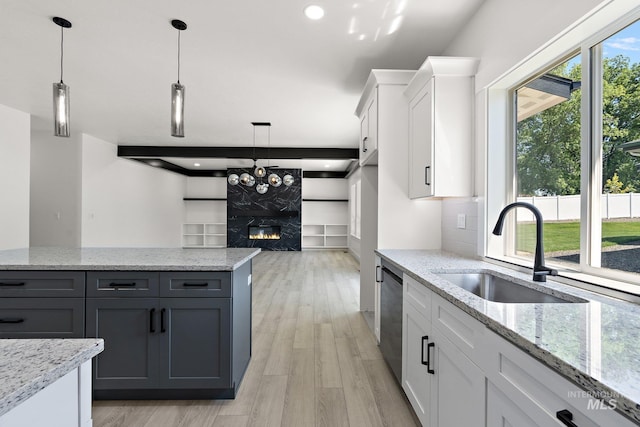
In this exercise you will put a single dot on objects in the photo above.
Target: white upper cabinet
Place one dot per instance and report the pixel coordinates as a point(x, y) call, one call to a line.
point(369, 128)
point(378, 113)
point(441, 98)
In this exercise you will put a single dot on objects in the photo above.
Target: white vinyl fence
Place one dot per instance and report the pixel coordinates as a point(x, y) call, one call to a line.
point(562, 208)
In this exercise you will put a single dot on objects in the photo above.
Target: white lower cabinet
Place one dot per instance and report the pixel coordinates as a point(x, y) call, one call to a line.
point(457, 386)
point(524, 392)
point(437, 377)
point(416, 380)
point(456, 372)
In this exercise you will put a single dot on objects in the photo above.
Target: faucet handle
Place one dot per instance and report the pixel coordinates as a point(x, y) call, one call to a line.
point(540, 275)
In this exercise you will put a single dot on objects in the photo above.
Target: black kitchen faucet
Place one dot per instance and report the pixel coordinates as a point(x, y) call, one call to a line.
point(540, 271)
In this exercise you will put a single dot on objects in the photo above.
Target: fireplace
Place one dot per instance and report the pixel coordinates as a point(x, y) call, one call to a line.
point(264, 232)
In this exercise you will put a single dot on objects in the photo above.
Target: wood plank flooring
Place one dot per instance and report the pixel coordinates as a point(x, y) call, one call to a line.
point(315, 361)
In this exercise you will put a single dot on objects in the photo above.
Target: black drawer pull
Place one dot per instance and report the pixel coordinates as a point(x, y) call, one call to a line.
point(163, 329)
point(426, 175)
point(364, 144)
point(429, 369)
point(122, 285)
point(11, 320)
point(194, 285)
point(152, 320)
point(424, 338)
point(12, 284)
point(566, 417)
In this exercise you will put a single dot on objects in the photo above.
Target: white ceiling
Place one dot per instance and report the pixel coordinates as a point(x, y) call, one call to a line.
point(242, 61)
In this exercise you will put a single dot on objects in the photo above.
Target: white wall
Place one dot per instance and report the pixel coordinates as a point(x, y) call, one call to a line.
point(502, 34)
point(325, 188)
point(14, 178)
point(325, 212)
point(462, 241)
point(209, 211)
point(55, 190)
point(126, 203)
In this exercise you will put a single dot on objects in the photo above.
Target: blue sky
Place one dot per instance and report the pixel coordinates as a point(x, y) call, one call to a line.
point(626, 42)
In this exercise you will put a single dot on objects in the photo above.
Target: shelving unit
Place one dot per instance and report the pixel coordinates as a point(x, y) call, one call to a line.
point(204, 235)
point(324, 236)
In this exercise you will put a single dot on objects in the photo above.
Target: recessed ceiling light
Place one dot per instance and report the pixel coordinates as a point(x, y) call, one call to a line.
point(327, 166)
point(314, 12)
point(196, 164)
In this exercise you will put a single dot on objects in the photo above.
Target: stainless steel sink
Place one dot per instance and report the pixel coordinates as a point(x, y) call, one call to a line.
point(497, 289)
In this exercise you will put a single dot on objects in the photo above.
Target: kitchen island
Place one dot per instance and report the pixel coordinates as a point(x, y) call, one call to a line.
point(176, 322)
point(46, 381)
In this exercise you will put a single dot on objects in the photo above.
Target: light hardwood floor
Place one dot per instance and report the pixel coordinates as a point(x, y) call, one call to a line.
point(315, 361)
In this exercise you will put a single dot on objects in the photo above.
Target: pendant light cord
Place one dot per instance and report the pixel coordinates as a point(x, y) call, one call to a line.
point(179, 56)
point(61, 51)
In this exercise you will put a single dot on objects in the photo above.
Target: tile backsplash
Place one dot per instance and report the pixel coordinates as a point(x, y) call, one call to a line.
point(463, 241)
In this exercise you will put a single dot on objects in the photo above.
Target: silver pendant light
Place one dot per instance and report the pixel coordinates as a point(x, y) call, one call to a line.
point(61, 126)
point(177, 91)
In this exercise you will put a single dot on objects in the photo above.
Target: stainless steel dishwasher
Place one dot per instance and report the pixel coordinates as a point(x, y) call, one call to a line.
point(391, 317)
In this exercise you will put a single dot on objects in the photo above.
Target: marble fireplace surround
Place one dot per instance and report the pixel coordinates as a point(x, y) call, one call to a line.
point(279, 206)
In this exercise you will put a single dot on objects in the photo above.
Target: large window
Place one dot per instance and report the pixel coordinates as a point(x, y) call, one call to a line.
point(576, 138)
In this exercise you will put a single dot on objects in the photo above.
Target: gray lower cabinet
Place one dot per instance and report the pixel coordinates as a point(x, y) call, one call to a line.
point(129, 327)
point(161, 342)
point(42, 304)
point(41, 317)
point(191, 340)
point(195, 339)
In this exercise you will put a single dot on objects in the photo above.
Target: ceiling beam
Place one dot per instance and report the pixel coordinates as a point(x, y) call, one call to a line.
point(132, 151)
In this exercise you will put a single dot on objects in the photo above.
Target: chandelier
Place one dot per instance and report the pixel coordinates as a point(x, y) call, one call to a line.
point(259, 172)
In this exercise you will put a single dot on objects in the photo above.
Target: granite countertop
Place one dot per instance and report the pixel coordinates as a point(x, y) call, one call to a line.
point(595, 344)
point(29, 365)
point(125, 259)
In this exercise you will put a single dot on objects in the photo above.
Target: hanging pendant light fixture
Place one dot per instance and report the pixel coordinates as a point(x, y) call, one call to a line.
point(260, 172)
point(177, 91)
point(61, 90)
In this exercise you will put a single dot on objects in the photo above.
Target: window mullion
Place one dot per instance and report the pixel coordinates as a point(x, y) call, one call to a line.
point(591, 228)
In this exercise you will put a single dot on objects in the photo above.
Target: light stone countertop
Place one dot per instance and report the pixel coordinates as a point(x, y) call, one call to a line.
point(596, 344)
point(125, 259)
point(29, 365)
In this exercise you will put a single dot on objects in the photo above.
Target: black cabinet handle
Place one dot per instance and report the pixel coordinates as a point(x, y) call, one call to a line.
point(12, 284)
point(193, 285)
point(122, 285)
point(429, 369)
point(424, 338)
point(566, 417)
point(426, 175)
point(11, 320)
point(152, 320)
point(378, 274)
point(162, 325)
point(364, 144)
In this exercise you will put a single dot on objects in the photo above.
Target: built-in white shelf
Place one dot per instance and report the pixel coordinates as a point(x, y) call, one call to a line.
point(324, 236)
point(204, 235)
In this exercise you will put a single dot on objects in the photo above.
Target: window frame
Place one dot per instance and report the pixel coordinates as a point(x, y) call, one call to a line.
point(501, 186)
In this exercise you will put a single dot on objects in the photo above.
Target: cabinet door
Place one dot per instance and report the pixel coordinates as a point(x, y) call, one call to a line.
point(196, 342)
point(416, 380)
point(41, 317)
point(369, 128)
point(130, 329)
point(421, 143)
point(457, 387)
point(502, 412)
